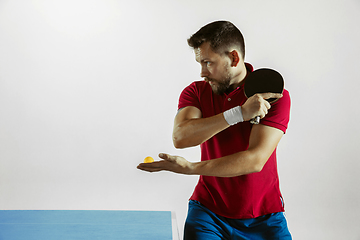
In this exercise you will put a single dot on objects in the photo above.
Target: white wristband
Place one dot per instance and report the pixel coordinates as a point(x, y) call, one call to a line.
point(233, 115)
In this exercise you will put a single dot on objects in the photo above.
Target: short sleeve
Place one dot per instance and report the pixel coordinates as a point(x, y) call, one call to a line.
point(189, 97)
point(279, 113)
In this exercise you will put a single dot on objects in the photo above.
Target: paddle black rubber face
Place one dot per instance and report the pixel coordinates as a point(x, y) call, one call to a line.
point(264, 80)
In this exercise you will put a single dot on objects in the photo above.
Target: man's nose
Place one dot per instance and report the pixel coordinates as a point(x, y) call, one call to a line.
point(204, 72)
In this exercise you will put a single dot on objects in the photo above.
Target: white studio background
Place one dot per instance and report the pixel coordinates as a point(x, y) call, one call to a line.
point(88, 89)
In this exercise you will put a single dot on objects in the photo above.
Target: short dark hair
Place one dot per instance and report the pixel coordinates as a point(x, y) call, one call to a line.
point(221, 35)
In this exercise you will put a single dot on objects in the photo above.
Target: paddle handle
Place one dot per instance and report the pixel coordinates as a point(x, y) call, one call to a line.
point(255, 120)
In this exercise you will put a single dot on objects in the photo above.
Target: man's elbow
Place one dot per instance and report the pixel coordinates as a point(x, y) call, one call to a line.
point(179, 142)
point(259, 163)
point(258, 168)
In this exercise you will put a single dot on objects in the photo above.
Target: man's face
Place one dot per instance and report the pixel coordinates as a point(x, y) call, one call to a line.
point(215, 68)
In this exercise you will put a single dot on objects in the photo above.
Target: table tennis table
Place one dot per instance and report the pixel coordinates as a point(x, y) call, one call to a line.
point(87, 224)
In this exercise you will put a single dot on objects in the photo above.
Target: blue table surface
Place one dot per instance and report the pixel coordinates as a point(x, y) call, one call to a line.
point(84, 224)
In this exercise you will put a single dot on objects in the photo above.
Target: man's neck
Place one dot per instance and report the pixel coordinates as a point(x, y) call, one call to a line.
point(239, 79)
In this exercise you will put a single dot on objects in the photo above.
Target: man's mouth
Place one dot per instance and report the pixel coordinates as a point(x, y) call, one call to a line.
point(210, 81)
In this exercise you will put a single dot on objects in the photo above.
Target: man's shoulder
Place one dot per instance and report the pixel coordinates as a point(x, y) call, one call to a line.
point(197, 87)
point(200, 84)
point(286, 95)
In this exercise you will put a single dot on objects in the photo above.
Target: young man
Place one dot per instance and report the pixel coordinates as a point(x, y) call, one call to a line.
point(238, 195)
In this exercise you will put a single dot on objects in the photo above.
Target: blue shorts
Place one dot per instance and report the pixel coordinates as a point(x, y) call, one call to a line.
point(202, 224)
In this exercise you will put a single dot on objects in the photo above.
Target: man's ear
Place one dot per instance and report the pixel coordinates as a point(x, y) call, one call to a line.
point(235, 58)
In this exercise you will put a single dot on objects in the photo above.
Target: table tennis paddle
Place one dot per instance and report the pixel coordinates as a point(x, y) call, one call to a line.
point(263, 80)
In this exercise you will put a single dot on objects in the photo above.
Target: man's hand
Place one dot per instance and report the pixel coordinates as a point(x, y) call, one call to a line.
point(257, 105)
point(170, 163)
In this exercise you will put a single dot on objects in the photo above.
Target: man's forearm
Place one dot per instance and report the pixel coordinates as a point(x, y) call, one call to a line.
point(237, 164)
point(193, 132)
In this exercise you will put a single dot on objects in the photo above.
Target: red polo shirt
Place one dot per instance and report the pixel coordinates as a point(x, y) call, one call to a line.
point(246, 196)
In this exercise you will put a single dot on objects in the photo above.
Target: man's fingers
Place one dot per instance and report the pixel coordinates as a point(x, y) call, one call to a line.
point(151, 167)
point(267, 105)
point(158, 165)
point(163, 155)
point(167, 157)
point(270, 95)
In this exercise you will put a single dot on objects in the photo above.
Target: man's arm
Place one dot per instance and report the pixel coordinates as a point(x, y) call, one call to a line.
point(190, 129)
point(262, 143)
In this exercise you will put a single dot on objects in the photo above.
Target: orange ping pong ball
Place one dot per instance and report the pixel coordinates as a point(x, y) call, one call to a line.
point(148, 160)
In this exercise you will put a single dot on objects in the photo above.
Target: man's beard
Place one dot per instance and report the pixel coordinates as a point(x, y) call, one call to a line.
point(221, 86)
